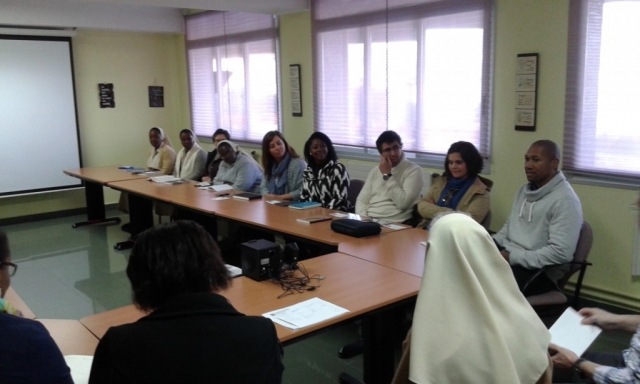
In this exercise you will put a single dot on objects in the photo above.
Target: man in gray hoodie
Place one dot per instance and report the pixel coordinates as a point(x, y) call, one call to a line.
point(545, 221)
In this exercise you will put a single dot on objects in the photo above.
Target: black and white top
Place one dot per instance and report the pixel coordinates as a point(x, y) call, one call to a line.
point(329, 186)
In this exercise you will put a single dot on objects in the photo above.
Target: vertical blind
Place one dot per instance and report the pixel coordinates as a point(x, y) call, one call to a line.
point(232, 65)
point(421, 68)
point(601, 124)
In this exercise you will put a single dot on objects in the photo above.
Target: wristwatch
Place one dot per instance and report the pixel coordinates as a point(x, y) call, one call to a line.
point(576, 367)
point(386, 176)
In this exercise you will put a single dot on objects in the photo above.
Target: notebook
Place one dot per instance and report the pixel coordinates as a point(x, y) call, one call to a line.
point(247, 196)
point(313, 219)
point(305, 205)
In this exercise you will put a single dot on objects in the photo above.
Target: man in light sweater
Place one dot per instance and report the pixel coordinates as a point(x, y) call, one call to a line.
point(545, 221)
point(393, 187)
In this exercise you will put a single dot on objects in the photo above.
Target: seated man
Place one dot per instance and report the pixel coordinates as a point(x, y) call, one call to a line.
point(545, 221)
point(393, 187)
point(237, 169)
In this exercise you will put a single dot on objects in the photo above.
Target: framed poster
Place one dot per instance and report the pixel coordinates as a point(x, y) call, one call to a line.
point(526, 91)
point(296, 94)
point(156, 96)
point(106, 95)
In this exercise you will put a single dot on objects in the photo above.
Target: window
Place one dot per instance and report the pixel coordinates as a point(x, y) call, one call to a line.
point(232, 64)
point(422, 70)
point(602, 138)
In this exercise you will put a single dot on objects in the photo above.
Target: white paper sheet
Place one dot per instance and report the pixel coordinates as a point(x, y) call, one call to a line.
point(164, 179)
point(569, 333)
point(80, 366)
point(304, 314)
point(221, 187)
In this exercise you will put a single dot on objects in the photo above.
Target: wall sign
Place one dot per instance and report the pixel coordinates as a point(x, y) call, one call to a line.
point(296, 95)
point(107, 98)
point(156, 96)
point(526, 91)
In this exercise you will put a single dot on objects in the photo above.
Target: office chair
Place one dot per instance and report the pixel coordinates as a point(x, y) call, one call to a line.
point(486, 222)
point(354, 190)
point(555, 302)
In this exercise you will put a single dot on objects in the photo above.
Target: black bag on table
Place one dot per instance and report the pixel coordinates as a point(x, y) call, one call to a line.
point(356, 228)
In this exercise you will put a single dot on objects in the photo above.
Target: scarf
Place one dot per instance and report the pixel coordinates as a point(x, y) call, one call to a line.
point(186, 160)
point(6, 307)
point(277, 183)
point(453, 192)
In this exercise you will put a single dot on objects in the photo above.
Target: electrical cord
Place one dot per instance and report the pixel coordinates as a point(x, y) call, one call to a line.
point(291, 283)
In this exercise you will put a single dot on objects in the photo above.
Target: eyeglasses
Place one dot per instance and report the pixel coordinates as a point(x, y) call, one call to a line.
point(11, 267)
point(447, 198)
point(395, 148)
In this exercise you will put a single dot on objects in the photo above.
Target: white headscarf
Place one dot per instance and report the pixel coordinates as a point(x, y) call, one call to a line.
point(154, 159)
point(471, 323)
point(239, 151)
point(186, 159)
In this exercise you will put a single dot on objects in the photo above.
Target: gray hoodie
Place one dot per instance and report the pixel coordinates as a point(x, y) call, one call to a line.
point(544, 225)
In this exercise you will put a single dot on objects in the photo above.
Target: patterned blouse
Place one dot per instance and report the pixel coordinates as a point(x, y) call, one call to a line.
point(329, 187)
point(628, 374)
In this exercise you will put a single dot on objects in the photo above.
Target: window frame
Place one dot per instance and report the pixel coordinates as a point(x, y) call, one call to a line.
point(368, 151)
point(575, 92)
point(219, 43)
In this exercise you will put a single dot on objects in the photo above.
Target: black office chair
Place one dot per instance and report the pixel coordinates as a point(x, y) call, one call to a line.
point(555, 301)
point(354, 190)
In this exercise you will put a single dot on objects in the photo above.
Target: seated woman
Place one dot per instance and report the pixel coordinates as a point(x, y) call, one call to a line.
point(193, 334)
point(213, 159)
point(162, 157)
point(237, 169)
point(191, 159)
point(29, 354)
point(283, 169)
point(325, 180)
point(471, 323)
point(460, 188)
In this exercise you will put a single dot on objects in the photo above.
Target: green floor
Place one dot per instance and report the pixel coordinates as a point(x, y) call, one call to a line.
point(66, 273)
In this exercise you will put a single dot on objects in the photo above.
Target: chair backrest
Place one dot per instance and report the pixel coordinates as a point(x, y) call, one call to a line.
point(354, 190)
point(585, 240)
point(486, 222)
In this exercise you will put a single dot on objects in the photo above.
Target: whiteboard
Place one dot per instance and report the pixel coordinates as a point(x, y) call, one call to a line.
point(38, 125)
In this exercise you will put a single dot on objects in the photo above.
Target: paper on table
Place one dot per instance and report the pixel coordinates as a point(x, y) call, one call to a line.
point(80, 366)
point(304, 314)
point(569, 333)
point(393, 226)
point(339, 214)
point(423, 243)
point(164, 179)
point(221, 187)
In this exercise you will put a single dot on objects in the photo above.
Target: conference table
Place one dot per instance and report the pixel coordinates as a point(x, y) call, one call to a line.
point(142, 193)
point(400, 250)
point(255, 213)
point(94, 179)
point(71, 336)
point(369, 291)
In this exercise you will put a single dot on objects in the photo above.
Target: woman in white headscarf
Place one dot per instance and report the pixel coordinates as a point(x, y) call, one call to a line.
point(162, 157)
point(471, 323)
point(191, 160)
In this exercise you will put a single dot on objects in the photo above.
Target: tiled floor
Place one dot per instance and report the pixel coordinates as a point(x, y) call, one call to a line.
point(66, 273)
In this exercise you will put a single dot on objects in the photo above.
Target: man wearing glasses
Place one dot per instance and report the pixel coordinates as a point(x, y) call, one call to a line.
point(545, 221)
point(393, 187)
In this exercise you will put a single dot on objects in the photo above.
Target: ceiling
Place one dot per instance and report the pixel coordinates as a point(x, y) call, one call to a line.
point(163, 16)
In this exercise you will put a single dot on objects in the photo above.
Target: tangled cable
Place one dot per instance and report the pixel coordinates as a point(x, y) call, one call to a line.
point(291, 283)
